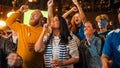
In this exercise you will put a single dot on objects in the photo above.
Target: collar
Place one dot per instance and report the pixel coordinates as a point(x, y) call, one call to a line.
point(91, 39)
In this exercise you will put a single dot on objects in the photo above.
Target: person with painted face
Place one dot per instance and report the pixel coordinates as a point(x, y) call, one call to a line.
point(102, 23)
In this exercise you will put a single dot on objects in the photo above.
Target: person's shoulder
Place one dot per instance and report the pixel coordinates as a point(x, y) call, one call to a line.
point(24, 25)
point(74, 36)
point(116, 31)
point(83, 41)
point(113, 34)
point(97, 38)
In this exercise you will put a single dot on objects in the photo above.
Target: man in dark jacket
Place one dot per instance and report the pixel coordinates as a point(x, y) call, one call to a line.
point(8, 55)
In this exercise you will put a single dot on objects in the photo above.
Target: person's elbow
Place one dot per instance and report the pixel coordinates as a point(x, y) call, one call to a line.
point(76, 60)
point(39, 49)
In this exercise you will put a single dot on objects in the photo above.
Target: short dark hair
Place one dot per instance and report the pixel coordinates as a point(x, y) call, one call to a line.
point(94, 25)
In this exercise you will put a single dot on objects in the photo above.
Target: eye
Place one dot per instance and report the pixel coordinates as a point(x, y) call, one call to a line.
point(35, 16)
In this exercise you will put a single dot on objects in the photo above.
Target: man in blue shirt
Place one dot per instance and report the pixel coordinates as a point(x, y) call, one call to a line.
point(111, 51)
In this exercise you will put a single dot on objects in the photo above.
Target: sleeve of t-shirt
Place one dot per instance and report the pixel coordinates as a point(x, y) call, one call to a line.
point(73, 49)
point(44, 40)
point(12, 23)
point(107, 49)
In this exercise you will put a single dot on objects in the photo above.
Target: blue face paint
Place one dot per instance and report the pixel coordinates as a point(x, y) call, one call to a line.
point(102, 23)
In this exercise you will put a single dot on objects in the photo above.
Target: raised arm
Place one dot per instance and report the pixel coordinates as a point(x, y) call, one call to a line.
point(50, 11)
point(11, 21)
point(40, 44)
point(65, 15)
point(80, 10)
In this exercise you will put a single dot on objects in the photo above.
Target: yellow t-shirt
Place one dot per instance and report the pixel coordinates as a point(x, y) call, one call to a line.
point(26, 34)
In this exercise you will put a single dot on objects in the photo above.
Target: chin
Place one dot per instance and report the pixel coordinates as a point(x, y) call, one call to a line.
point(86, 33)
point(30, 24)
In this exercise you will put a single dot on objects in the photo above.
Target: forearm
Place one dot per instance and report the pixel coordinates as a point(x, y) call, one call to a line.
point(50, 13)
point(10, 20)
point(79, 8)
point(81, 12)
point(70, 61)
point(39, 43)
point(67, 13)
point(104, 61)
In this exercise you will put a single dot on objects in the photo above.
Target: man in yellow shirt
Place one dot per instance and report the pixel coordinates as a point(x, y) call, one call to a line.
point(27, 35)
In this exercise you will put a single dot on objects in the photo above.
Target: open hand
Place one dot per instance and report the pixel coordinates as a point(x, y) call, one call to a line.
point(50, 3)
point(14, 60)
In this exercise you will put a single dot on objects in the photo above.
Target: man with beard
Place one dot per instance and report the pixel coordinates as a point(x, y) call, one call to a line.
point(27, 36)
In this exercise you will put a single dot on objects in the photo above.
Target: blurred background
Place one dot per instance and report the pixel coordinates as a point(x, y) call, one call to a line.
point(92, 8)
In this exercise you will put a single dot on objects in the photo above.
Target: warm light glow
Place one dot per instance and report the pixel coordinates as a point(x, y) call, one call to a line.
point(30, 0)
point(2, 23)
point(10, 13)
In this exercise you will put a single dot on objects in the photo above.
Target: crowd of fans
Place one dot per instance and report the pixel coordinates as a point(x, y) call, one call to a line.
point(59, 41)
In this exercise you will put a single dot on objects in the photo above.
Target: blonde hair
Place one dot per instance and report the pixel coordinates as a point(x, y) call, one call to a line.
point(73, 29)
point(102, 16)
